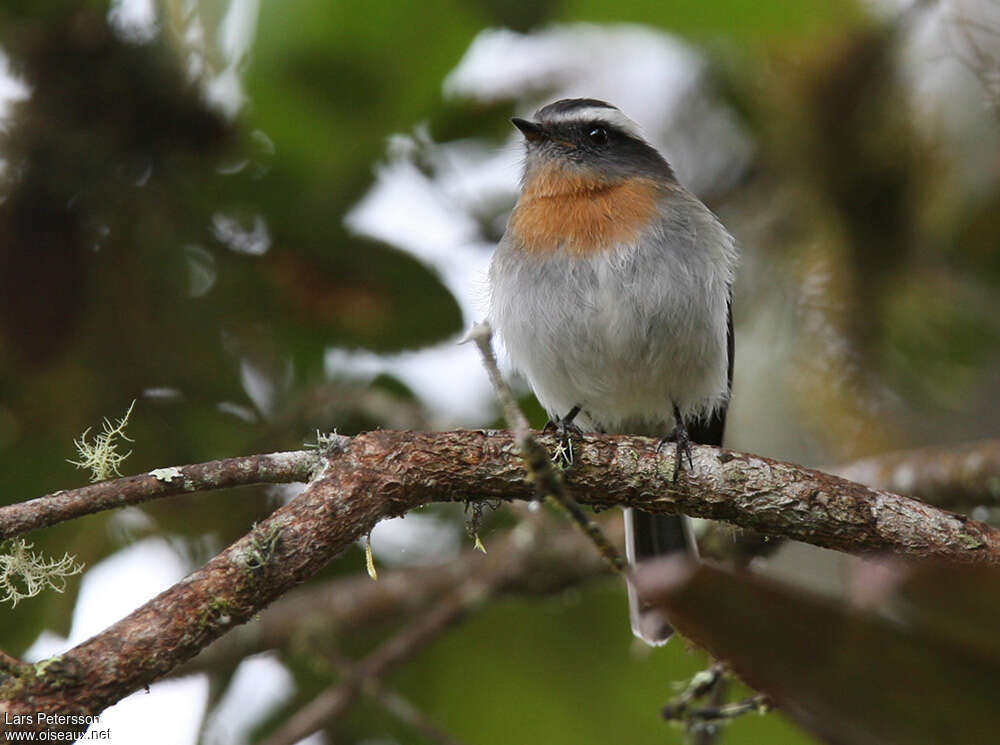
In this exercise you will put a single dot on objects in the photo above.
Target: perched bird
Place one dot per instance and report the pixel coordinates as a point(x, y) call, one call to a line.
point(611, 293)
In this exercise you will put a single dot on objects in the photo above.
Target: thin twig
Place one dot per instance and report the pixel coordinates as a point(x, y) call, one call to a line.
point(700, 685)
point(751, 704)
point(405, 711)
point(547, 479)
point(700, 731)
point(332, 703)
point(704, 723)
point(342, 606)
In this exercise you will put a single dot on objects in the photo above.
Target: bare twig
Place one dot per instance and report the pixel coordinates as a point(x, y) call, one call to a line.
point(331, 704)
point(404, 710)
point(757, 703)
point(548, 481)
point(565, 558)
point(701, 684)
point(703, 721)
point(700, 730)
point(973, 43)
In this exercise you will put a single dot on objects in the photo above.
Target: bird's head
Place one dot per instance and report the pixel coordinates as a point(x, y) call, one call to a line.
point(587, 141)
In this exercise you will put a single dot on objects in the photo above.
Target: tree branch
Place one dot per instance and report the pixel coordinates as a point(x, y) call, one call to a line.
point(385, 474)
point(961, 476)
point(333, 702)
point(548, 480)
point(565, 558)
point(404, 710)
point(504, 565)
point(270, 468)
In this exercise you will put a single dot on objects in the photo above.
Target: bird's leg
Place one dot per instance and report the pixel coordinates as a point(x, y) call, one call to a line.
point(564, 425)
point(683, 441)
point(565, 429)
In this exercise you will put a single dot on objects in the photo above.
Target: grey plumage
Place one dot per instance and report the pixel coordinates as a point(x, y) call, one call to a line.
point(625, 332)
point(628, 331)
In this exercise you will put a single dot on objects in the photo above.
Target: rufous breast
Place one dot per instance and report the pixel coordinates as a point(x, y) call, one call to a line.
point(571, 211)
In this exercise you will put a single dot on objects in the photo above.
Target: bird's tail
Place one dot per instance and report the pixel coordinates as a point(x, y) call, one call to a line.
point(649, 536)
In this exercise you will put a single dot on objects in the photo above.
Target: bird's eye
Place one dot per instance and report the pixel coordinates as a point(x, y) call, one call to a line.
point(598, 135)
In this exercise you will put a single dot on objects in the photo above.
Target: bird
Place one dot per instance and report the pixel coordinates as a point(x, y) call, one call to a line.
point(611, 294)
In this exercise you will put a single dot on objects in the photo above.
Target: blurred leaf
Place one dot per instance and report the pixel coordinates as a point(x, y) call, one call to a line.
point(926, 671)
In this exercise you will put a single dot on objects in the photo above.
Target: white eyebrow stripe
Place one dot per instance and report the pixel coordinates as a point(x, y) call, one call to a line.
point(599, 113)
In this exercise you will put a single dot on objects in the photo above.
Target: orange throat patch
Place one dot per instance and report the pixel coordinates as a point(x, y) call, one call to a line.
point(560, 210)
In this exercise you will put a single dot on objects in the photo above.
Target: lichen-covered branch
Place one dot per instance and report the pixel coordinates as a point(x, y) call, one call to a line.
point(953, 477)
point(384, 474)
point(270, 468)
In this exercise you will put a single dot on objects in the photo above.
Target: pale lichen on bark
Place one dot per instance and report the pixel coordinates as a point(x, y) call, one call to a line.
point(381, 474)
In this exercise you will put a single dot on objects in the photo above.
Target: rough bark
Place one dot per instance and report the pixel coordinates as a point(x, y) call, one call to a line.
point(270, 468)
point(385, 474)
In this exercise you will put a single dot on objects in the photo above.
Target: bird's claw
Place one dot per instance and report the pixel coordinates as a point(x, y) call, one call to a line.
point(682, 441)
point(564, 430)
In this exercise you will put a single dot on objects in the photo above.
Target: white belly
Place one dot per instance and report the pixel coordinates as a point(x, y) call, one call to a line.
point(624, 335)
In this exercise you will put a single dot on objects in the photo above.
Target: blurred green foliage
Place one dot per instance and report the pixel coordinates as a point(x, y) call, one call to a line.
point(779, 21)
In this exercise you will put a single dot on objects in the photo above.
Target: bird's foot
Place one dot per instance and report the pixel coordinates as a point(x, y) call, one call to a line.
point(565, 430)
point(682, 441)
